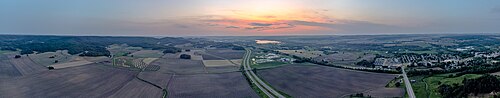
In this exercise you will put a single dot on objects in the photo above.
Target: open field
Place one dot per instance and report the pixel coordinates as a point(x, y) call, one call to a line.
point(149, 60)
point(92, 80)
point(220, 54)
point(230, 85)
point(217, 63)
point(385, 92)
point(346, 58)
point(180, 66)
point(147, 54)
point(222, 69)
point(97, 59)
point(25, 65)
point(303, 53)
point(7, 70)
point(268, 64)
point(195, 54)
point(138, 89)
point(313, 81)
point(48, 58)
point(122, 50)
point(158, 78)
point(433, 83)
point(71, 64)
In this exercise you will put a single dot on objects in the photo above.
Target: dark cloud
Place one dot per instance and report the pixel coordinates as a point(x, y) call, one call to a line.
point(260, 24)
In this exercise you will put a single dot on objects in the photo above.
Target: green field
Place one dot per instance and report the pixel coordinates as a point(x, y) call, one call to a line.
point(433, 82)
point(3, 51)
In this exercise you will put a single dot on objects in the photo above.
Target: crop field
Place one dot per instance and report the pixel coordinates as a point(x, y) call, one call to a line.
point(92, 80)
point(385, 92)
point(222, 69)
point(124, 62)
point(315, 81)
point(71, 64)
point(217, 63)
point(7, 70)
point(138, 89)
point(97, 59)
point(195, 54)
point(303, 53)
point(346, 58)
point(48, 58)
point(149, 60)
point(26, 66)
point(122, 50)
point(220, 54)
point(171, 55)
point(268, 64)
point(230, 85)
point(158, 78)
point(180, 66)
point(147, 54)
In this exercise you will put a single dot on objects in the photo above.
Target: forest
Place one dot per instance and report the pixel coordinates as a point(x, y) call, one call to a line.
point(84, 45)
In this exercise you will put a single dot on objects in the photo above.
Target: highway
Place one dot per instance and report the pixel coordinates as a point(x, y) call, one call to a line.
point(409, 89)
point(266, 89)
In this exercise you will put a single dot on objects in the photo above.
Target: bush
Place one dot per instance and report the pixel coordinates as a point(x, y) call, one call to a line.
point(185, 56)
point(17, 56)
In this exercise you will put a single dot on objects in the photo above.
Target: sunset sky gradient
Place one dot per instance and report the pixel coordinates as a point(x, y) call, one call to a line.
point(247, 17)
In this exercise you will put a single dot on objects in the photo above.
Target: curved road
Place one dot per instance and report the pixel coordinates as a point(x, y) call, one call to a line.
point(266, 89)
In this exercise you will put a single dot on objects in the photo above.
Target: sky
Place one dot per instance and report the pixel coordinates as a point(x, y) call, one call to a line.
point(247, 17)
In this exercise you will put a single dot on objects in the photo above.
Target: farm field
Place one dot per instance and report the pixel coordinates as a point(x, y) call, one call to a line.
point(300, 80)
point(217, 63)
point(25, 65)
point(158, 78)
point(303, 53)
point(268, 64)
point(149, 60)
point(221, 54)
point(384, 92)
point(97, 59)
point(122, 50)
point(346, 58)
point(231, 85)
point(180, 66)
point(71, 64)
point(222, 69)
point(195, 54)
point(92, 80)
point(7, 70)
point(147, 54)
point(48, 58)
point(138, 89)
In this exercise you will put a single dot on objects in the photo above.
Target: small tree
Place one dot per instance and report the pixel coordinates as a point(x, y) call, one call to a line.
point(17, 56)
point(50, 67)
point(185, 56)
point(397, 84)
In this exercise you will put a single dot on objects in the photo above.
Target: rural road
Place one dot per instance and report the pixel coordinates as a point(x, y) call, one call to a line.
point(266, 89)
point(409, 89)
